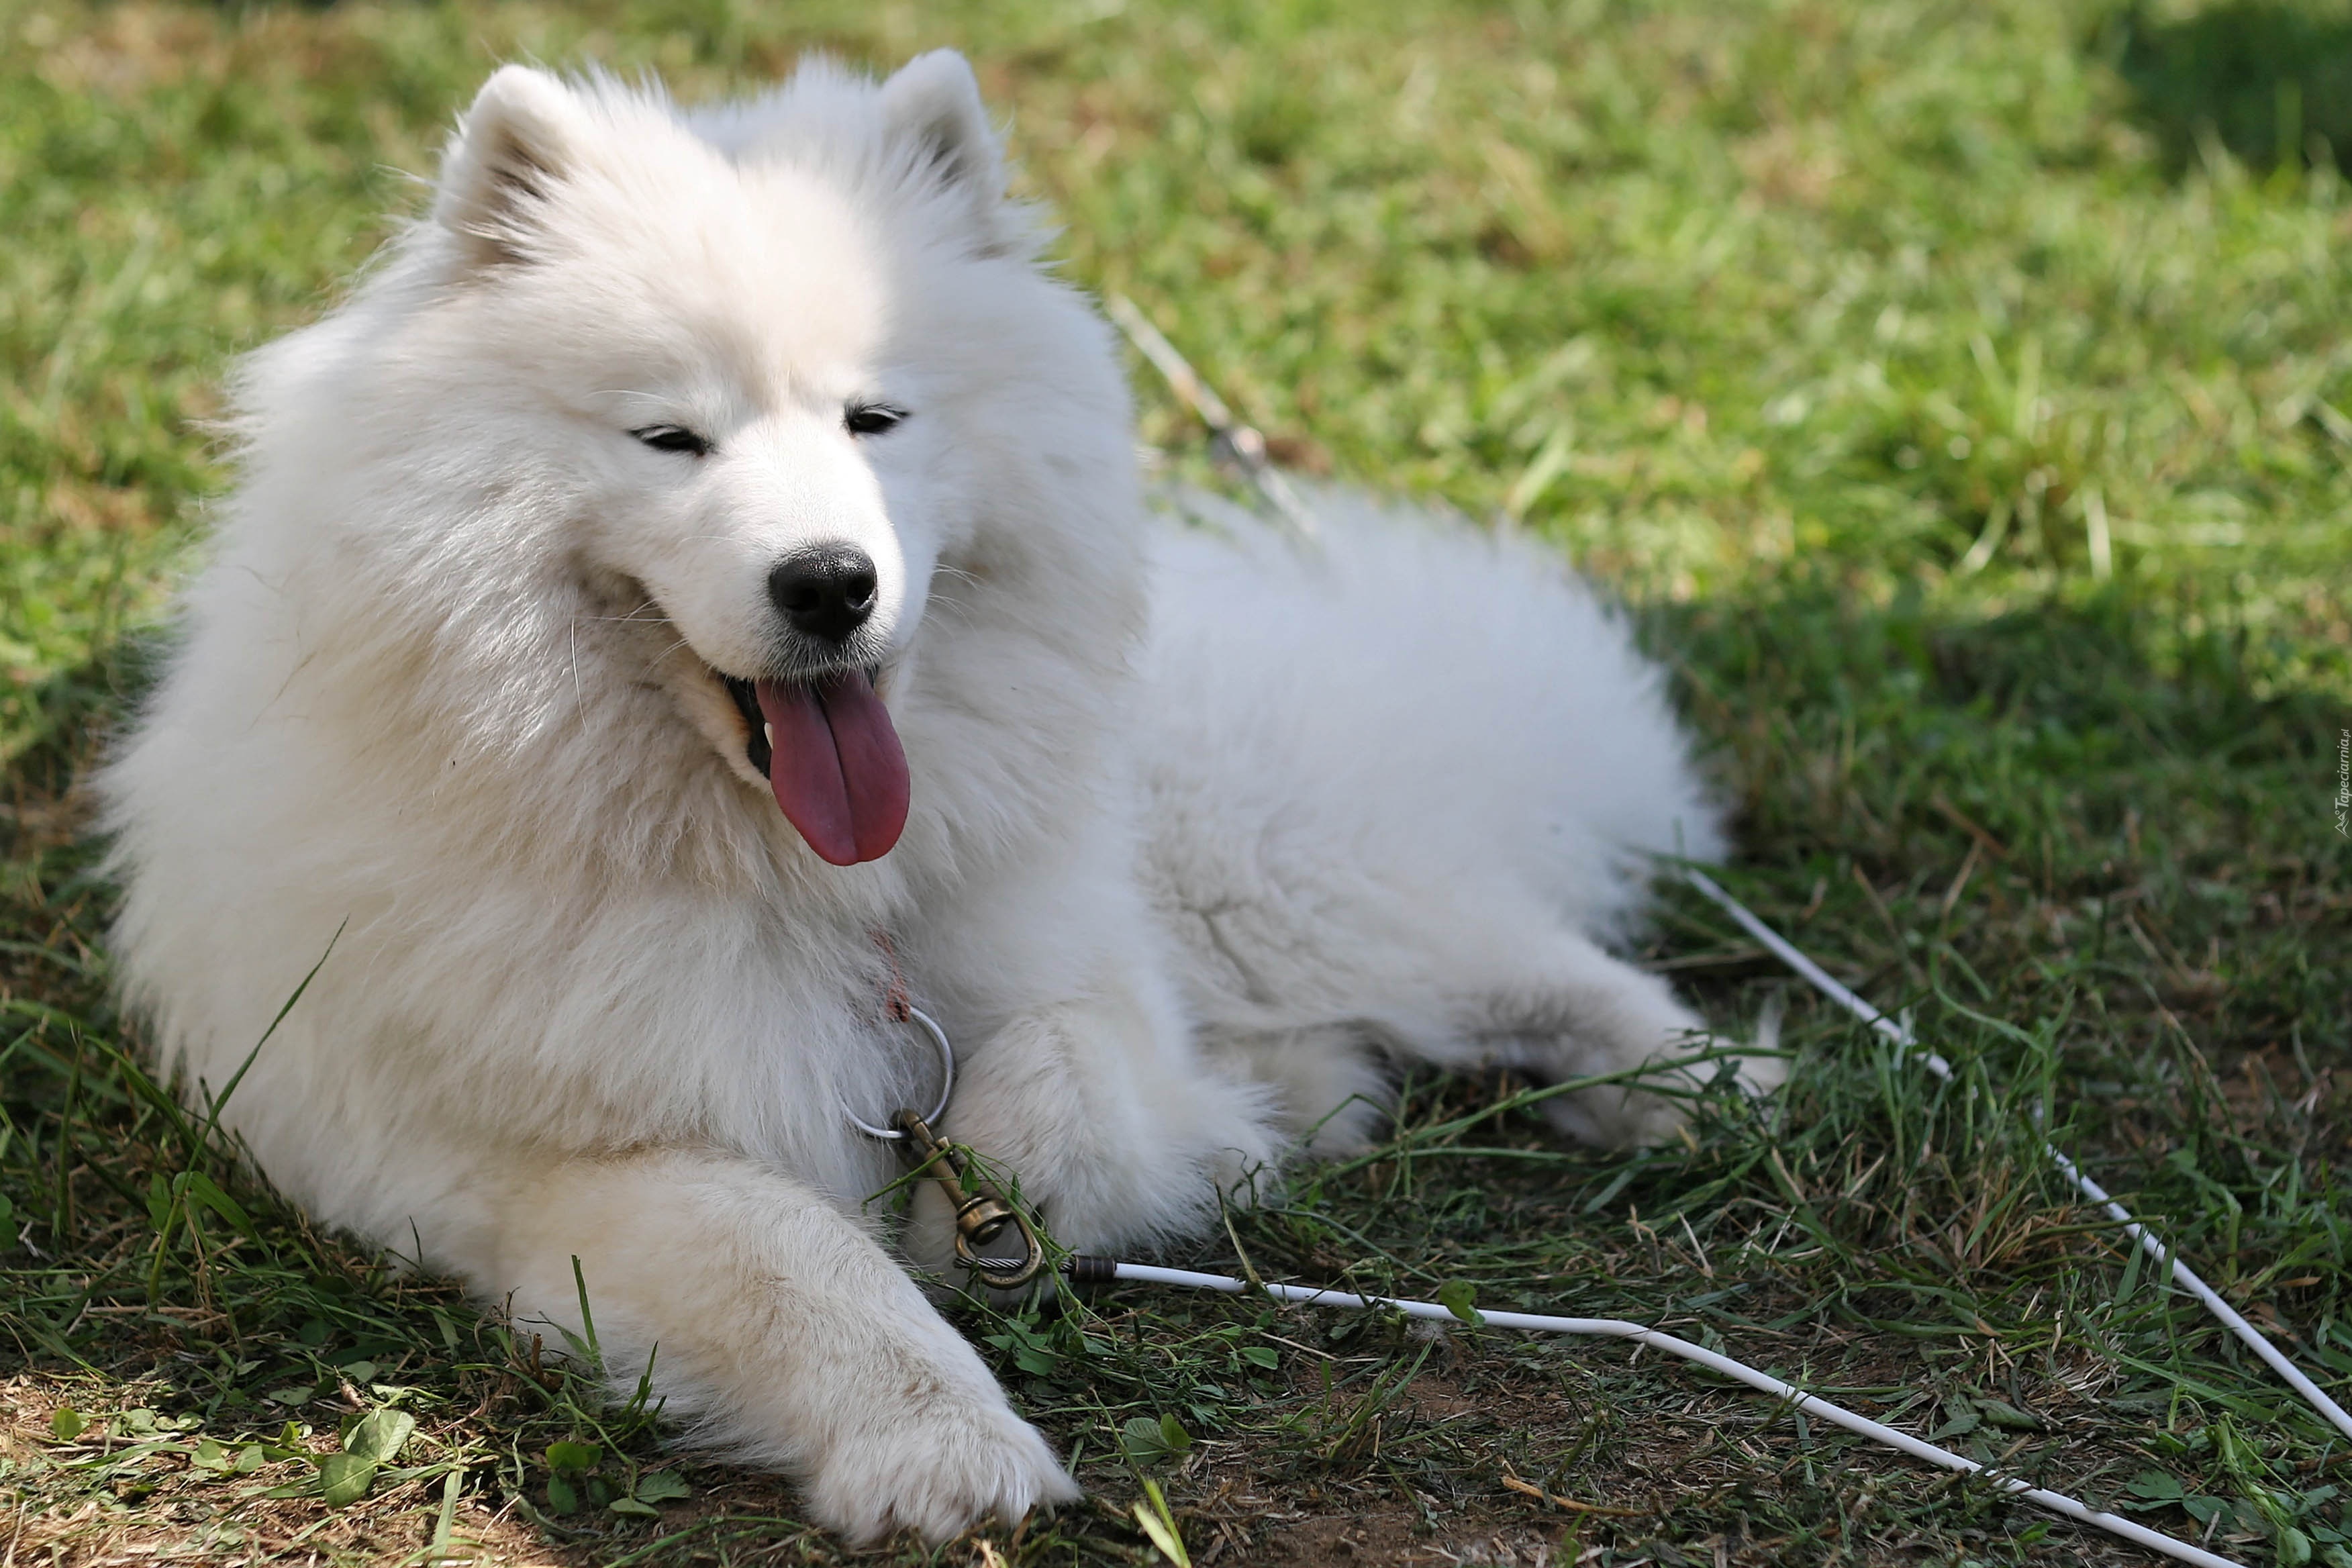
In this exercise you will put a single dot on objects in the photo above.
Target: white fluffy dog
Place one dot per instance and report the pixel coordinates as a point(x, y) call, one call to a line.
point(705, 557)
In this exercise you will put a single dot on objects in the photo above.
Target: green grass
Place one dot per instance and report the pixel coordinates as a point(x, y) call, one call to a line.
point(1961, 391)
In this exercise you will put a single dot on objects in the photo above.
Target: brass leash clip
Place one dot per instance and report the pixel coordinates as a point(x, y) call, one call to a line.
point(982, 1213)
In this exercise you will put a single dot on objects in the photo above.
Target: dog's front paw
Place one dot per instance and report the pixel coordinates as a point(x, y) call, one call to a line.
point(936, 1468)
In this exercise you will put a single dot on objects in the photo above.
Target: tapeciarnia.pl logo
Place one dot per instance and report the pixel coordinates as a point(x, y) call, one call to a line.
point(2344, 784)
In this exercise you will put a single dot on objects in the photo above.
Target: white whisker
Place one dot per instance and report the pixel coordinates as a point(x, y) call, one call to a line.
point(578, 693)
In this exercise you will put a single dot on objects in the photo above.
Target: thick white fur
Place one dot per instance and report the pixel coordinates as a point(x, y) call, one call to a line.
point(1402, 787)
point(445, 686)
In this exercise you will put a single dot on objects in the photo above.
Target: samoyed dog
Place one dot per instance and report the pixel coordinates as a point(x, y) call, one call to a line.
point(697, 590)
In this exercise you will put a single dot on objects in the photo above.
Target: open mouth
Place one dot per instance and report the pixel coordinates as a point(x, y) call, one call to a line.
point(831, 754)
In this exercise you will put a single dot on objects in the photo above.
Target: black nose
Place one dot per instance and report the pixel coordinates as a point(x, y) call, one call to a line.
point(826, 591)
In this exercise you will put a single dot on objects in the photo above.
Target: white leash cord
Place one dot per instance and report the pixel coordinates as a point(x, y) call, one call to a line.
point(1096, 1268)
point(1227, 432)
point(2183, 1274)
point(1249, 446)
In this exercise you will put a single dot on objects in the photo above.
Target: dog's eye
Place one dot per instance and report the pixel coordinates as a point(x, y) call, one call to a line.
point(673, 438)
point(872, 418)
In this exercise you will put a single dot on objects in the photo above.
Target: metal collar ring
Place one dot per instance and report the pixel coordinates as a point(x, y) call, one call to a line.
point(947, 1082)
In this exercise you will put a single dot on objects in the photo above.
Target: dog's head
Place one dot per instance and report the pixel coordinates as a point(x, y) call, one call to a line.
point(750, 378)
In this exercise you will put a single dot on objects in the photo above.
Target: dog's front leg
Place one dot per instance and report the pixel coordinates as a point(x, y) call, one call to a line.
point(777, 1329)
point(1101, 1104)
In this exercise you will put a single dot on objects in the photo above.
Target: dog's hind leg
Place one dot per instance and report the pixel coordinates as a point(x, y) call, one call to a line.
point(777, 1330)
point(1576, 1011)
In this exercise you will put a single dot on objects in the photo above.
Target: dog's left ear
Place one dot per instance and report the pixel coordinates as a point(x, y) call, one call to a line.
point(933, 102)
point(521, 138)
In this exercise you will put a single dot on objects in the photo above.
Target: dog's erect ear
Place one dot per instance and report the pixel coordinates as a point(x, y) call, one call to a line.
point(933, 102)
point(524, 132)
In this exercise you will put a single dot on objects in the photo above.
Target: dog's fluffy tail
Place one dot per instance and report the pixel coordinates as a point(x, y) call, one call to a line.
point(1467, 689)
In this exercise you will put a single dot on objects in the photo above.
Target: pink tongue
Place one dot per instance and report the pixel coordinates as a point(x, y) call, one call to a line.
point(835, 764)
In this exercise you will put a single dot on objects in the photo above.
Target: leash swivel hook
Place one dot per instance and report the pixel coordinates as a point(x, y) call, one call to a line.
point(982, 1213)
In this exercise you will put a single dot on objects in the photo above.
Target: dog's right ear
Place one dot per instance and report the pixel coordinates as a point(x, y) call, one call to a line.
point(523, 135)
point(933, 102)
